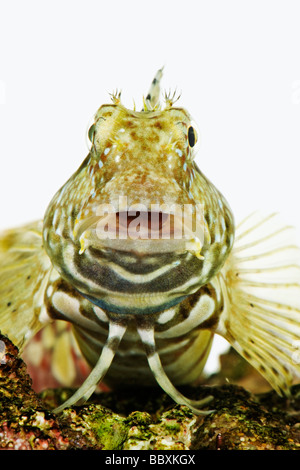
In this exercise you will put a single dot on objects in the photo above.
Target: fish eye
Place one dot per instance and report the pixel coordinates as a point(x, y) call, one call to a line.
point(192, 136)
point(91, 133)
point(92, 130)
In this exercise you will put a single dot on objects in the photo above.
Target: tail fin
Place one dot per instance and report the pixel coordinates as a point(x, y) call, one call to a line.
point(262, 281)
point(24, 272)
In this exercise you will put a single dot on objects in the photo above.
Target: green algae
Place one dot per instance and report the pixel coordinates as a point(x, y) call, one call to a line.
point(142, 419)
point(110, 429)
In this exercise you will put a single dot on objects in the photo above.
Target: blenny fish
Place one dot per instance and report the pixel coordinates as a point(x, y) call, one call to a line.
point(140, 253)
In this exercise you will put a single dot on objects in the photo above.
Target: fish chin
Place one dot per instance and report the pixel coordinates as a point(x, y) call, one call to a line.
point(124, 305)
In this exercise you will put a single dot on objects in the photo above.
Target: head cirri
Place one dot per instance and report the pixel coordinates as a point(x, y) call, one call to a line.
point(138, 227)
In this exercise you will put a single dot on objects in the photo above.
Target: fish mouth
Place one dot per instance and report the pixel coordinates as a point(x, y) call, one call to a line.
point(144, 231)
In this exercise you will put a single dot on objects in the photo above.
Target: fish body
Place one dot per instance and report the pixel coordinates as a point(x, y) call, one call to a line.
point(139, 251)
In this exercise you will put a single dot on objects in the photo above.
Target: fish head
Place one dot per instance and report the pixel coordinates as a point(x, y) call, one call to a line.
point(138, 227)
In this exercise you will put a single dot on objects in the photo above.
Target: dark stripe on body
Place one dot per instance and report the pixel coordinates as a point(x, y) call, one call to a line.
point(107, 278)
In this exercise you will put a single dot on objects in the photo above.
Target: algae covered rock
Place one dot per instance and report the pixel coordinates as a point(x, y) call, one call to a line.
point(141, 419)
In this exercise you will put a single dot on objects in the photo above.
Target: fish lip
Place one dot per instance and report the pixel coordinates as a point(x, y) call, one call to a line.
point(170, 233)
point(147, 247)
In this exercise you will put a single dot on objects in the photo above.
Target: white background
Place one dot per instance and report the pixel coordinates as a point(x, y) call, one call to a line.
point(237, 64)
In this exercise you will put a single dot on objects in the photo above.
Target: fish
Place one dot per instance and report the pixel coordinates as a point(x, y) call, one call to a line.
point(140, 253)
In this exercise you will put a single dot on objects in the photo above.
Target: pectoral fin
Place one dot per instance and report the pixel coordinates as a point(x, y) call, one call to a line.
point(262, 282)
point(24, 272)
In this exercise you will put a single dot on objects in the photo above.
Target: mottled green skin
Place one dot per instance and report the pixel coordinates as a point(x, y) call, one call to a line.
point(146, 158)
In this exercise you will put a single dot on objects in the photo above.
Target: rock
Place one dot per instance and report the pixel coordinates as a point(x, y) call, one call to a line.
point(141, 419)
point(25, 422)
